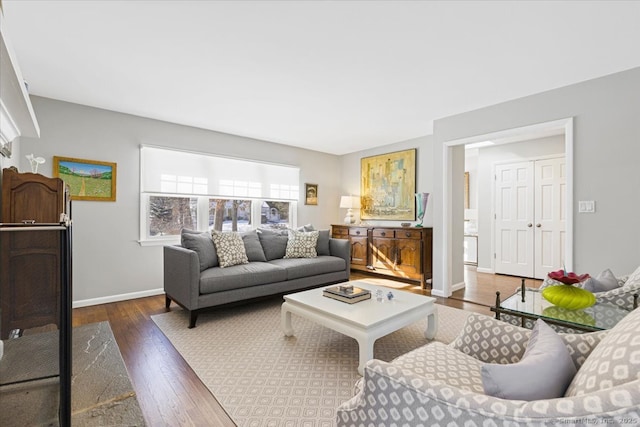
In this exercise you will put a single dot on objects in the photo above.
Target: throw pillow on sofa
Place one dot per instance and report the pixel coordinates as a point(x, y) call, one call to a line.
point(544, 372)
point(605, 281)
point(322, 248)
point(301, 244)
point(202, 244)
point(253, 247)
point(274, 242)
point(230, 248)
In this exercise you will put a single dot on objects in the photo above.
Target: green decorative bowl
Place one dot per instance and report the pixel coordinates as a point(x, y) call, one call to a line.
point(568, 297)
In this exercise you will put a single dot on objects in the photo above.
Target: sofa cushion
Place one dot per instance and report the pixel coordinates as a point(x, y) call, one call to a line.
point(301, 244)
point(439, 362)
point(230, 248)
point(615, 361)
point(240, 276)
point(202, 244)
point(274, 242)
point(306, 267)
point(544, 372)
point(252, 246)
point(605, 281)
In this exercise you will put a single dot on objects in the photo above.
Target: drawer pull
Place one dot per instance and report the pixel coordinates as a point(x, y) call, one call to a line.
point(383, 234)
point(407, 234)
point(358, 232)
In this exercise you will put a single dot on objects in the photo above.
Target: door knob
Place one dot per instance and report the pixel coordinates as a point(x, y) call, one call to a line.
point(529, 225)
point(538, 225)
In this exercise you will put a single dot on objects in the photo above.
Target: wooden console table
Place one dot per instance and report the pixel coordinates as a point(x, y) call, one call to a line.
point(404, 253)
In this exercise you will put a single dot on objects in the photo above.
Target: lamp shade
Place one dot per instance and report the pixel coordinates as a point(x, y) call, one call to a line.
point(350, 202)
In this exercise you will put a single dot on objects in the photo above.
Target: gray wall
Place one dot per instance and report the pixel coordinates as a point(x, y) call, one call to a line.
point(606, 115)
point(108, 261)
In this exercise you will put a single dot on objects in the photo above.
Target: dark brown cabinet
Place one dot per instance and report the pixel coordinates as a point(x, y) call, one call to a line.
point(404, 253)
point(30, 262)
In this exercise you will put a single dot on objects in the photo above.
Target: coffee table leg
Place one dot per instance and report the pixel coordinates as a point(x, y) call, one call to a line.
point(285, 321)
point(432, 325)
point(365, 350)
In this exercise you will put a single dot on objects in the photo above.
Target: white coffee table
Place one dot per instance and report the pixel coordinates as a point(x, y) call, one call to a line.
point(365, 321)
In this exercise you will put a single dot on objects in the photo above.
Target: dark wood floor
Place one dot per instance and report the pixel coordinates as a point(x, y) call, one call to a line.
point(170, 393)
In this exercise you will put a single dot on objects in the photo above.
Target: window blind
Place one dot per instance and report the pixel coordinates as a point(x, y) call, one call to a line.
point(170, 171)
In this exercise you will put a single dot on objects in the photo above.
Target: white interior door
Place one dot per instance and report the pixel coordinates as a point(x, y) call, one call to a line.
point(530, 221)
point(549, 216)
point(514, 219)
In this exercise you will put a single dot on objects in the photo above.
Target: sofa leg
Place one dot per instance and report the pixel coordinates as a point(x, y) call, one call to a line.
point(193, 316)
point(167, 302)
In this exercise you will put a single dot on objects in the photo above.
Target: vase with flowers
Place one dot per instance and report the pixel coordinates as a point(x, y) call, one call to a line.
point(565, 294)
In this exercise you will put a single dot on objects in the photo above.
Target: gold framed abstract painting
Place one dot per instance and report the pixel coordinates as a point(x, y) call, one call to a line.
point(388, 186)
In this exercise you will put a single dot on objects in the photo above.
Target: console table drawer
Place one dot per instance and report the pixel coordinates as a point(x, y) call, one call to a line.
point(409, 234)
point(358, 232)
point(377, 232)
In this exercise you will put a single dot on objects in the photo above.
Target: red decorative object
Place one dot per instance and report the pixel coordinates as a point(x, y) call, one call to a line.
point(570, 278)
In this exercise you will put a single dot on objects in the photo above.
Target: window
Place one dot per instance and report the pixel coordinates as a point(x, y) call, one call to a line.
point(180, 189)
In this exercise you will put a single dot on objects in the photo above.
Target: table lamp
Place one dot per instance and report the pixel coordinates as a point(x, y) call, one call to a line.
point(349, 202)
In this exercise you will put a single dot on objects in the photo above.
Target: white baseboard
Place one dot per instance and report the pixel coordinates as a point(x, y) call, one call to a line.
point(485, 270)
point(116, 298)
point(457, 286)
point(438, 293)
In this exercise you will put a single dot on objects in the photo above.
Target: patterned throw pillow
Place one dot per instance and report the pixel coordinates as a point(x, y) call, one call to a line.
point(615, 361)
point(230, 248)
point(302, 244)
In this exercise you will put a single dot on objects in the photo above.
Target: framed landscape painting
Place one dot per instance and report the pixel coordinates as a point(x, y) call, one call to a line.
point(87, 179)
point(388, 186)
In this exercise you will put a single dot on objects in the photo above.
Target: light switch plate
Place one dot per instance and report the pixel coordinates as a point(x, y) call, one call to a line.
point(586, 206)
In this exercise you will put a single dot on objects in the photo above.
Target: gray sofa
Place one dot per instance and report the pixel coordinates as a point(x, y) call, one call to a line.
point(194, 279)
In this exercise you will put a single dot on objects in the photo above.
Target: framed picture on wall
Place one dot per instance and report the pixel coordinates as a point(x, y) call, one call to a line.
point(388, 186)
point(87, 179)
point(311, 194)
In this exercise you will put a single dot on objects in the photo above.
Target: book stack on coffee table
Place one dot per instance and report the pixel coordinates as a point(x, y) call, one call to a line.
point(347, 293)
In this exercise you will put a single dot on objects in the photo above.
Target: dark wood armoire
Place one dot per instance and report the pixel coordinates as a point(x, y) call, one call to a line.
point(30, 263)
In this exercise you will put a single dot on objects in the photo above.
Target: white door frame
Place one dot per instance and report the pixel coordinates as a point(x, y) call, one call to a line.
point(447, 188)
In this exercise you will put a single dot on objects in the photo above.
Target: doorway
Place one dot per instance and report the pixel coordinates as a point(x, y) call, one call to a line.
point(530, 219)
point(451, 267)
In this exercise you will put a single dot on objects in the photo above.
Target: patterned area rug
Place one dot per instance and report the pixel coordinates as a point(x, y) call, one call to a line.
point(263, 378)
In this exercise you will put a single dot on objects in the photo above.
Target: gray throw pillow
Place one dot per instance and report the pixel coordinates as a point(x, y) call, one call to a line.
point(605, 281)
point(274, 242)
point(202, 244)
point(253, 247)
point(322, 247)
point(545, 371)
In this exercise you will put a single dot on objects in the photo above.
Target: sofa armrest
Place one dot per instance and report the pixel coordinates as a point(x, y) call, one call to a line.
point(392, 395)
point(341, 248)
point(182, 276)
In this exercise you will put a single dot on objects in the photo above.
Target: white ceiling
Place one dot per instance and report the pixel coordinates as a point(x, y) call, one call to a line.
point(332, 76)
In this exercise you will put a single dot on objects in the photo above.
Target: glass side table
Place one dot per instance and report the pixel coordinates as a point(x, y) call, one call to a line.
point(529, 304)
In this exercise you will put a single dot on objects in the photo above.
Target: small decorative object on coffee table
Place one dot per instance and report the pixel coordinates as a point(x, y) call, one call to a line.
point(565, 294)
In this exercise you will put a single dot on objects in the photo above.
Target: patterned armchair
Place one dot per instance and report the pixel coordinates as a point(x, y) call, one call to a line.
point(440, 384)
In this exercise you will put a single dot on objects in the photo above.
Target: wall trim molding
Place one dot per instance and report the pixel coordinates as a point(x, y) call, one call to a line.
point(116, 298)
point(485, 270)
